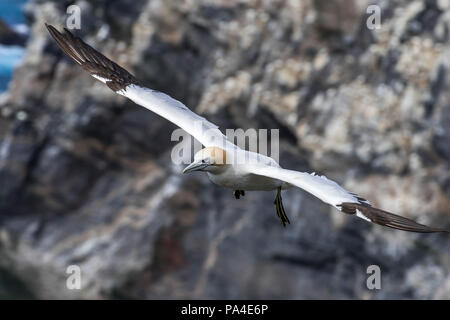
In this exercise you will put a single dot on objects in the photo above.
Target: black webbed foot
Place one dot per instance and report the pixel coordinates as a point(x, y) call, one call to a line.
point(238, 193)
point(280, 208)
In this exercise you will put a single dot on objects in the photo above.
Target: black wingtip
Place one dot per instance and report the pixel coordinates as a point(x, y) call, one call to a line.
point(50, 28)
point(53, 31)
point(388, 219)
point(91, 60)
point(67, 31)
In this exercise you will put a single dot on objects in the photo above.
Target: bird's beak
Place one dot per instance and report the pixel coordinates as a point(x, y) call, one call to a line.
point(195, 166)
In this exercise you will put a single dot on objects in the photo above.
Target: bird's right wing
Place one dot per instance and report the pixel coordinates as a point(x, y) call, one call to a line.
point(122, 82)
point(330, 192)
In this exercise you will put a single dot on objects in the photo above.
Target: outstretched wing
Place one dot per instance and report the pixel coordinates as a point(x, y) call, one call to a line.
point(330, 192)
point(122, 82)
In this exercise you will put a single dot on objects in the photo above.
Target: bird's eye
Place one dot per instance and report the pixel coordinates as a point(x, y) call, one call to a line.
point(203, 161)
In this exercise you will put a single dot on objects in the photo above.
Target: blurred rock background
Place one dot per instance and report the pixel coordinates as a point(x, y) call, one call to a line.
point(86, 176)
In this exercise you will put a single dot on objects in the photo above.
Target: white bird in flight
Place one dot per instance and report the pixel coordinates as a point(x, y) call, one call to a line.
point(218, 158)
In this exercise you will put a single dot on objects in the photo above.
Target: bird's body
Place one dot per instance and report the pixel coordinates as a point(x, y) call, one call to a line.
point(237, 177)
point(225, 163)
point(233, 171)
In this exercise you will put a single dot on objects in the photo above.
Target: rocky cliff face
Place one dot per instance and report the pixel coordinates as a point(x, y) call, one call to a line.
point(87, 180)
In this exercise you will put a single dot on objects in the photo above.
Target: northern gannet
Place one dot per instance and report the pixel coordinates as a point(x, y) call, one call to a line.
point(218, 158)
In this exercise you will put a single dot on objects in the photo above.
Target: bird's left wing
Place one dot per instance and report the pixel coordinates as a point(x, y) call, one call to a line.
point(122, 82)
point(330, 192)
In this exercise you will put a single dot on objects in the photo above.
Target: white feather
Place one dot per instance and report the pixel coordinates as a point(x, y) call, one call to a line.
point(174, 111)
point(323, 188)
point(100, 78)
point(360, 215)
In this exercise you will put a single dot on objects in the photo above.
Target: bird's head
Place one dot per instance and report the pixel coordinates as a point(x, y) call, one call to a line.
point(211, 159)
